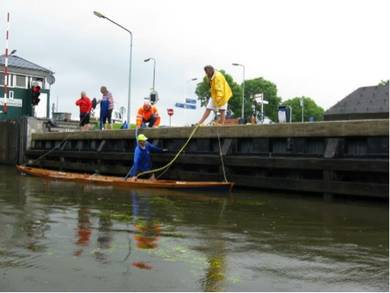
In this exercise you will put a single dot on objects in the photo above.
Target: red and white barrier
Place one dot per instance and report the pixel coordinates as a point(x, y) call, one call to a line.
point(5, 108)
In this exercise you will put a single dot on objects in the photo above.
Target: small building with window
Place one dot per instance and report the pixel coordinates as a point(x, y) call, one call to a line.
point(22, 75)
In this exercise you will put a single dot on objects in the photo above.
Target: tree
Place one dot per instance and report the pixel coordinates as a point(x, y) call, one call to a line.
point(269, 91)
point(384, 82)
point(203, 93)
point(310, 109)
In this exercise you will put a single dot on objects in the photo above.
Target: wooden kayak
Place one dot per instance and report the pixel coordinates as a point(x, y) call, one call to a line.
point(120, 181)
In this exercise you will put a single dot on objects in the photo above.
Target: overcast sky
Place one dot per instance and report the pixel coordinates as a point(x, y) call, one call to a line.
point(322, 49)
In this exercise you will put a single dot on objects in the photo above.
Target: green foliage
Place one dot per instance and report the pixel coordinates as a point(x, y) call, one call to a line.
point(269, 90)
point(384, 82)
point(203, 91)
point(309, 106)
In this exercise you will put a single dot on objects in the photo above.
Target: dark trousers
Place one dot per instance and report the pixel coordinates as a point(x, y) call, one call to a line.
point(104, 117)
point(150, 122)
point(84, 118)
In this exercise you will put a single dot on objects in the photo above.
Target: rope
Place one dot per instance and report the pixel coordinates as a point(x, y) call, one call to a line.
point(162, 173)
point(174, 159)
point(52, 150)
point(59, 146)
point(221, 156)
point(131, 168)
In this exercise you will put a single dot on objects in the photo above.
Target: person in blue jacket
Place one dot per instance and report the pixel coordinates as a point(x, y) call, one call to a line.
point(142, 158)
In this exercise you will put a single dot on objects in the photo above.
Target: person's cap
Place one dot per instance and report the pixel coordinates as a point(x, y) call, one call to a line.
point(141, 137)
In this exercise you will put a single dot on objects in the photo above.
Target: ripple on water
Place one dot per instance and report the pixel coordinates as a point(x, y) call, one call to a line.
point(20, 260)
point(79, 235)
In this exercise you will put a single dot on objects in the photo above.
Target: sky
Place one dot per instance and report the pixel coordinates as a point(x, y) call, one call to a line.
point(323, 49)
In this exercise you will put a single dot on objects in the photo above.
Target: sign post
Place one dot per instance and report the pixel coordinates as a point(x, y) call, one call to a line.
point(260, 100)
point(170, 113)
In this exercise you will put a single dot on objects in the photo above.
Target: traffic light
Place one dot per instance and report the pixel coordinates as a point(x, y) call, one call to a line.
point(35, 92)
point(153, 97)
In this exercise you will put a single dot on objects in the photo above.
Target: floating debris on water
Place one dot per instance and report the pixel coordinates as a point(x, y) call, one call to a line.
point(141, 265)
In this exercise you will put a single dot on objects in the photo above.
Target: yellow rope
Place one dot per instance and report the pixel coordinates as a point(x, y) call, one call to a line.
point(176, 156)
point(221, 156)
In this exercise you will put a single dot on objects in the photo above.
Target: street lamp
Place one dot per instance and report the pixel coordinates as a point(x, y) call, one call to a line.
point(187, 85)
point(98, 14)
point(154, 70)
point(243, 88)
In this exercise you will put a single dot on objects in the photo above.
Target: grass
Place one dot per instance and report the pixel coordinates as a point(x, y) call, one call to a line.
point(115, 126)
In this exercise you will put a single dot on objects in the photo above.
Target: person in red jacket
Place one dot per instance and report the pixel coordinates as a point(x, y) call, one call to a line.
point(148, 114)
point(85, 105)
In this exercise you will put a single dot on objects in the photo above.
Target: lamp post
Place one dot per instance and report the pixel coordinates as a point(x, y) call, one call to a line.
point(243, 88)
point(154, 70)
point(188, 84)
point(98, 14)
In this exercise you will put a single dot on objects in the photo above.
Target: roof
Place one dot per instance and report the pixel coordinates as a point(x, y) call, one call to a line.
point(16, 61)
point(369, 99)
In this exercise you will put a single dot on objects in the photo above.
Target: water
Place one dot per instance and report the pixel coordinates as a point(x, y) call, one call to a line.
point(62, 236)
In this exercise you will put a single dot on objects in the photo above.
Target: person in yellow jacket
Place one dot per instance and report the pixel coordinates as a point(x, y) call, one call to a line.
point(220, 94)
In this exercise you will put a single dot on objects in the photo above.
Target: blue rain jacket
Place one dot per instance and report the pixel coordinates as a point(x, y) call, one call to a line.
point(142, 158)
point(104, 104)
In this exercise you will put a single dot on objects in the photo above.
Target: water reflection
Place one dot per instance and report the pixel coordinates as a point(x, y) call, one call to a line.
point(147, 228)
point(166, 241)
point(35, 232)
point(216, 257)
point(83, 230)
point(104, 237)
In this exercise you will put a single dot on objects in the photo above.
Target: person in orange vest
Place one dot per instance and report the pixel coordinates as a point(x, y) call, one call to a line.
point(148, 114)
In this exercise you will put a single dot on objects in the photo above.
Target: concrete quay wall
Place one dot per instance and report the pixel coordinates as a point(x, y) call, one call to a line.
point(15, 138)
point(335, 157)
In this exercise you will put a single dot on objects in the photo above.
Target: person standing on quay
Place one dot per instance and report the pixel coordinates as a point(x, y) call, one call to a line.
point(106, 107)
point(85, 105)
point(220, 94)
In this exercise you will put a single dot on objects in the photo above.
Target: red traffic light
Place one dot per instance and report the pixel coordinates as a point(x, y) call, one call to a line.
point(35, 91)
point(170, 111)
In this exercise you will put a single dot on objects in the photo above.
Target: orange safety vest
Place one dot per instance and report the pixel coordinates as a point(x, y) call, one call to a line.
point(146, 115)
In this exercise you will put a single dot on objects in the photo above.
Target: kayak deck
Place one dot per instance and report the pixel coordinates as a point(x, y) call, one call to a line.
point(120, 181)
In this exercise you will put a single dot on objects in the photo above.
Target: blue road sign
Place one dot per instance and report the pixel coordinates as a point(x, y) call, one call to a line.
point(185, 106)
point(179, 105)
point(190, 101)
point(190, 106)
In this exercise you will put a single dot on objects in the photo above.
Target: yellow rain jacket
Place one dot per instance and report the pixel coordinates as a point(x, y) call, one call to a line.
point(220, 89)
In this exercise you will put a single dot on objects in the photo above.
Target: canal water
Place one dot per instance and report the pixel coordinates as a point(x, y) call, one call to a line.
point(62, 236)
